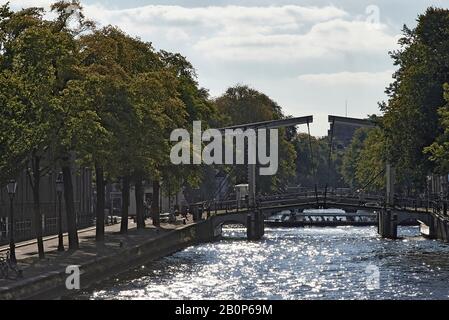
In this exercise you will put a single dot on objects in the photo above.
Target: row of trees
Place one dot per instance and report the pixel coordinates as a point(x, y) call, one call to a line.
point(413, 132)
point(73, 94)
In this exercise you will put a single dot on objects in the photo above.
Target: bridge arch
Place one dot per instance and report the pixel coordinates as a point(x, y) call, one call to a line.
point(227, 219)
point(252, 221)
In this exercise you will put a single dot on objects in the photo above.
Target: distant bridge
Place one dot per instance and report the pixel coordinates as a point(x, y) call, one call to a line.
point(388, 218)
point(408, 211)
point(391, 210)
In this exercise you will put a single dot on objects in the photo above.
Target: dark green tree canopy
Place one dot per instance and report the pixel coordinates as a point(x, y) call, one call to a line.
point(411, 119)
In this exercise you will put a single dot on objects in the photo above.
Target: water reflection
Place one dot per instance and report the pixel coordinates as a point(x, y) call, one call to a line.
point(314, 263)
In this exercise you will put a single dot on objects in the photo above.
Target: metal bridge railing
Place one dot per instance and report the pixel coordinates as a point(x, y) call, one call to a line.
point(418, 204)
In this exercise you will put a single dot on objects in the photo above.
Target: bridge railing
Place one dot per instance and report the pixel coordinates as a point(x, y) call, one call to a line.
point(412, 204)
point(422, 204)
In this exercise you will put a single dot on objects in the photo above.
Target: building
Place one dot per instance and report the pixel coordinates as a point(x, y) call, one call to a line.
point(343, 134)
point(23, 205)
point(342, 130)
point(166, 203)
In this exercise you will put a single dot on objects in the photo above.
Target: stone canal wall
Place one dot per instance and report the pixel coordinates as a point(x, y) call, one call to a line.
point(51, 285)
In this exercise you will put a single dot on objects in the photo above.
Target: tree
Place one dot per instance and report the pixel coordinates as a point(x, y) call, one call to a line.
point(371, 162)
point(439, 150)
point(75, 120)
point(241, 104)
point(18, 95)
point(158, 110)
point(104, 88)
point(198, 107)
point(146, 111)
point(37, 59)
point(311, 164)
point(351, 157)
point(84, 134)
point(411, 120)
point(16, 137)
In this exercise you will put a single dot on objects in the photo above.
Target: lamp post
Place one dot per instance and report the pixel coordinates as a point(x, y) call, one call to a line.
point(12, 188)
point(59, 191)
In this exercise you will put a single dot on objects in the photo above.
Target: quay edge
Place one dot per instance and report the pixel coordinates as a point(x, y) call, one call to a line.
point(51, 285)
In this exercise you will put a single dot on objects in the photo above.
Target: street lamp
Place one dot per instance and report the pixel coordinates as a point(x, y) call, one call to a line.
point(59, 191)
point(12, 188)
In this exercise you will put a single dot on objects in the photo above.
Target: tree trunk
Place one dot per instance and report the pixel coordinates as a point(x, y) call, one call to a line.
point(35, 164)
point(155, 204)
point(99, 173)
point(70, 207)
point(125, 206)
point(139, 204)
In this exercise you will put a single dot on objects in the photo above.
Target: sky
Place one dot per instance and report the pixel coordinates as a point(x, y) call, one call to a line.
point(315, 57)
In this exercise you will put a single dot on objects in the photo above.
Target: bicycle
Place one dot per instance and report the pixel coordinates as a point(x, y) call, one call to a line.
point(7, 267)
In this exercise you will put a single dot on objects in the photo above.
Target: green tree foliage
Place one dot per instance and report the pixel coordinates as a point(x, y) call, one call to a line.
point(37, 59)
point(371, 162)
point(411, 118)
point(311, 162)
point(351, 157)
point(137, 101)
point(439, 150)
point(198, 107)
point(16, 136)
point(71, 91)
point(241, 104)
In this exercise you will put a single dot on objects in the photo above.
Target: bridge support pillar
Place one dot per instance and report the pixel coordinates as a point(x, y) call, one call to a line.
point(255, 227)
point(434, 228)
point(437, 228)
point(388, 225)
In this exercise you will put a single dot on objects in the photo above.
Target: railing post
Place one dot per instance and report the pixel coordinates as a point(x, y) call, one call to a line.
point(387, 224)
point(390, 171)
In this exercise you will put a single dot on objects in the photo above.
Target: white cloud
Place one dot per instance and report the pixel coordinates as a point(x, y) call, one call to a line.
point(239, 33)
point(348, 78)
point(222, 19)
point(201, 24)
point(327, 39)
point(267, 47)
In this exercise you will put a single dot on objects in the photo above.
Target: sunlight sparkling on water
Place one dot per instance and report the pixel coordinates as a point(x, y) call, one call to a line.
point(305, 263)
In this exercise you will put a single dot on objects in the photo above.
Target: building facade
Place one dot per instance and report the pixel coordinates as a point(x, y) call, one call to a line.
point(24, 224)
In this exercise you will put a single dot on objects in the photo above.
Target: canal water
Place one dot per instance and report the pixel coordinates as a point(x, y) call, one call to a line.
point(303, 263)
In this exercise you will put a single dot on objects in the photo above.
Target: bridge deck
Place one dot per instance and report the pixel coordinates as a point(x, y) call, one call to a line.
point(407, 210)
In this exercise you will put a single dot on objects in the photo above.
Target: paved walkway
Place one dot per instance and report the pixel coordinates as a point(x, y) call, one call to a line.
point(32, 266)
